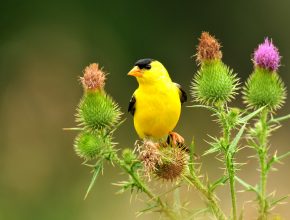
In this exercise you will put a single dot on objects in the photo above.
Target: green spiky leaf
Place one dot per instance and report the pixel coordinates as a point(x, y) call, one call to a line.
point(277, 201)
point(97, 169)
point(248, 186)
point(246, 118)
point(219, 182)
point(279, 119)
point(234, 143)
point(125, 185)
point(276, 159)
point(205, 106)
point(216, 146)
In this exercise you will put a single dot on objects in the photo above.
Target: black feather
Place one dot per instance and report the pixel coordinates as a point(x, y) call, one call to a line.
point(131, 107)
point(182, 94)
point(144, 63)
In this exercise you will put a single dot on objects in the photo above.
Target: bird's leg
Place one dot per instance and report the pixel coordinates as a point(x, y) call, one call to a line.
point(175, 138)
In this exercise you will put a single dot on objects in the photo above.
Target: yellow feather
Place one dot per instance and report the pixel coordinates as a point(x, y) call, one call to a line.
point(158, 105)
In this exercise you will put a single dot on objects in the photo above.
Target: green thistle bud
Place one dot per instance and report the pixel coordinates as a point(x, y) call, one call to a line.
point(90, 145)
point(97, 110)
point(264, 88)
point(214, 82)
point(128, 156)
point(233, 116)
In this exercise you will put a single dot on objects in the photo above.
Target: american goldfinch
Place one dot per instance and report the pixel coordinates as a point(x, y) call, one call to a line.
point(156, 104)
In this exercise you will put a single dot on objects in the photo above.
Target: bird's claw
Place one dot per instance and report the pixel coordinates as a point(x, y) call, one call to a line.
point(176, 139)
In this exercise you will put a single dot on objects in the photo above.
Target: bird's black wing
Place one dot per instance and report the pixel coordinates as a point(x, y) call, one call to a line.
point(131, 107)
point(182, 93)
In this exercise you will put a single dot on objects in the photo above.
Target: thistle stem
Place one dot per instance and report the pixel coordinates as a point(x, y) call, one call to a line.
point(196, 182)
point(163, 207)
point(263, 156)
point(229, 156)
point(177, 203)
point(231, 172)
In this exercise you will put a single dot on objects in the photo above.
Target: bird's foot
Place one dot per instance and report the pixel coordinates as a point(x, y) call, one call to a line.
point(175, 138)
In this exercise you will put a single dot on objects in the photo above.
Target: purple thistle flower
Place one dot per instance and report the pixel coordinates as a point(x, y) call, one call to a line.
point(267, 56)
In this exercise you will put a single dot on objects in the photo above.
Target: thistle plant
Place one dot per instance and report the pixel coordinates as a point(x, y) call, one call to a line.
point(265, 88)
point(213, 87)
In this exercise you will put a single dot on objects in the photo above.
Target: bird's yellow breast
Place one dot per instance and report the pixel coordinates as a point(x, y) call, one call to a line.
point(157, 110)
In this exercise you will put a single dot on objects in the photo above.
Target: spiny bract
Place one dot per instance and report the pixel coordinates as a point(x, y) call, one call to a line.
point(264, 88)
point(213, 83)
point(97, 110)
point(173, 163)
point(90, 145)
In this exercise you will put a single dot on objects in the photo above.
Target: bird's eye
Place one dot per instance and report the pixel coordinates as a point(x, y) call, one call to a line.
point(147, 67)
point(142, 66)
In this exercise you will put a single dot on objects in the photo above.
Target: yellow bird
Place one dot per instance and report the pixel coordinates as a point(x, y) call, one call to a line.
point(156, 104)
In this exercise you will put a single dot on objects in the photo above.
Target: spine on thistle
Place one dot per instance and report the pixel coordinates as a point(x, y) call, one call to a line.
point(264, 87)
point(97, 113)
point(214, 81)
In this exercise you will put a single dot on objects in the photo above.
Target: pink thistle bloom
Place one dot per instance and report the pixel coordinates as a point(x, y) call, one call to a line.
point(267, 56)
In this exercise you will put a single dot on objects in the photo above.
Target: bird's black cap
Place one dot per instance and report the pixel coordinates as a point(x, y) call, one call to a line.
point(144, 63)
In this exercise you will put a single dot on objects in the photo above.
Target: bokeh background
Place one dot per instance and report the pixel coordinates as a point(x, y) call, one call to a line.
point(44, 46)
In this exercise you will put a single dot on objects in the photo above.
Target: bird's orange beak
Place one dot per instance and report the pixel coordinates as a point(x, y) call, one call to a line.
point(135, 72)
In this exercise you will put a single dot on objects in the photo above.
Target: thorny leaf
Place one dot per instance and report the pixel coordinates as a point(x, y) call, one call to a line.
point(215, 146)
point(248, 186)
point(213, 149)
point(204, 106)
point(117, 126)
point(277, 201)
point(236, 140)
point(125, 185)
point(276, 159)
point(97, 169)
point(148, 209)
point(251, 115)
point(219, 182)
point(278, 120)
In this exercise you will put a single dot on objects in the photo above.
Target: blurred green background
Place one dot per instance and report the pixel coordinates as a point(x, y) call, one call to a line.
point(44, 46)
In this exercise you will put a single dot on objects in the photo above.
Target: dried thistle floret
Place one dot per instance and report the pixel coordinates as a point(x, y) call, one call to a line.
point(208, 48)
point(94, 78)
